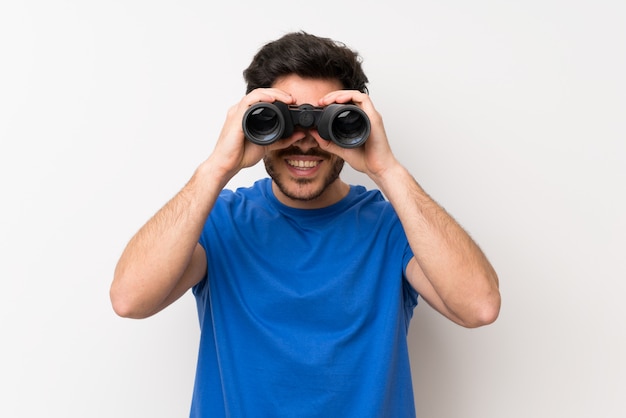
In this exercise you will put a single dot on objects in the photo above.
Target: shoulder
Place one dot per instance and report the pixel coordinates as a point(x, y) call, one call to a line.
point(243, 196)
point(370, 200)
point(258, 189)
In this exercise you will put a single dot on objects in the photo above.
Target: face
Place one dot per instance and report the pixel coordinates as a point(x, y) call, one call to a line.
point(303, 174)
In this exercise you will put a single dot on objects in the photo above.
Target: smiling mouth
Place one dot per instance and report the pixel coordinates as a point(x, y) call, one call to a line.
point(303, 164)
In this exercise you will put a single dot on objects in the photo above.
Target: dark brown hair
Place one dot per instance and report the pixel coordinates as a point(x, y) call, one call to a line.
point(307, 56)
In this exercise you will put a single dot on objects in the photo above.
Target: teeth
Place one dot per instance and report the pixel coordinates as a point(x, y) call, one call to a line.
point(302, 164)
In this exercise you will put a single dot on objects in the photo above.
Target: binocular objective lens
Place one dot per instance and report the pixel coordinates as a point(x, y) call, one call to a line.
point(263, 122)
point(349, 126)
point(348, 123)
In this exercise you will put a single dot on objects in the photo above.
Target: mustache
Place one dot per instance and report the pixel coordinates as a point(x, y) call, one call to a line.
point(295, 150)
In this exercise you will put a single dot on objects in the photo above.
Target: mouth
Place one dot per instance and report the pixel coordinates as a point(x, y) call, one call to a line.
point(303, 167)
point(303, 163)
point(299, 164)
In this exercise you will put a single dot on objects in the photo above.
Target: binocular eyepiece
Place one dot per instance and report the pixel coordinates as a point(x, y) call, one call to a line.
point(345, 124)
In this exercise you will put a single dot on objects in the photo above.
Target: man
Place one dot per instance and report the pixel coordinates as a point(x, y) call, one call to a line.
point(304, 284)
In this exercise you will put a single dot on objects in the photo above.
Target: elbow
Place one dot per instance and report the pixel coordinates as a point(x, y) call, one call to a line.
point(486, 303)
point(121, 306)
point(485, 313)
point(127, 310)
point(124, 305)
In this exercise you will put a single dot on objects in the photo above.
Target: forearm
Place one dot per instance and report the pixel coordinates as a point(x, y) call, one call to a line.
point(451, 262)
point(158, 256)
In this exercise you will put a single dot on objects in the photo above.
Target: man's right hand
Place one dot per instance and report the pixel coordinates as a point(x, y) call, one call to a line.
point(232, 151)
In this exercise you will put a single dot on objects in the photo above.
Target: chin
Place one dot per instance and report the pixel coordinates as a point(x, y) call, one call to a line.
point(300, 190)
point(303, 188)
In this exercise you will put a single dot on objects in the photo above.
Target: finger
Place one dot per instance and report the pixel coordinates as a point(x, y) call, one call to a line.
point(267, 95)
point(331, 147)
point(344, 96)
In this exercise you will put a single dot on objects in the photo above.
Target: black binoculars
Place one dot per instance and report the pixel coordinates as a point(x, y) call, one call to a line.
point(345, 124)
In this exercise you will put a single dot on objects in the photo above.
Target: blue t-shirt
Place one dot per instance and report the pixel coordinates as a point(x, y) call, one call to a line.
point(303, 313)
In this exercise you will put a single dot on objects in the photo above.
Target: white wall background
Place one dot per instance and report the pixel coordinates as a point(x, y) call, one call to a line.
point(510, 113)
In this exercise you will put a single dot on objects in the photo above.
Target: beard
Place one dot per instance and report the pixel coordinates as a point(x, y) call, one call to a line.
point(302, 193)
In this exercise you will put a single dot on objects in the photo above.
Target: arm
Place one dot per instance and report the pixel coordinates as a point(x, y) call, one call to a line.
point(448, 269)
point(164, 260)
